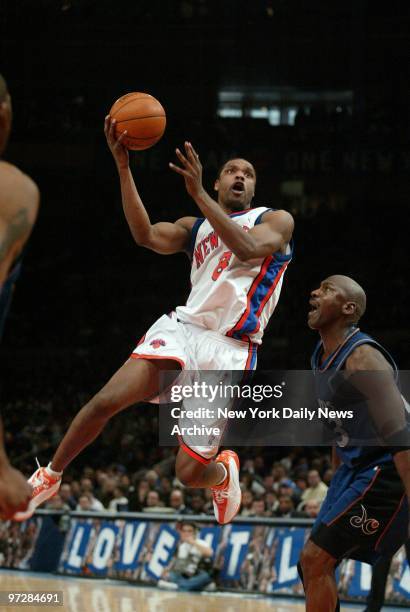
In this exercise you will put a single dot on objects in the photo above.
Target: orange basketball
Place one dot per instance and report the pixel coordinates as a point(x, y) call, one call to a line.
point(142, 116)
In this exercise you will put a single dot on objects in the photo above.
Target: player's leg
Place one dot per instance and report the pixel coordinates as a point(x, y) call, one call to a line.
point(220, 473)
point(136, 380)
point(318, 569)
point(375, 599)
point(197, 472)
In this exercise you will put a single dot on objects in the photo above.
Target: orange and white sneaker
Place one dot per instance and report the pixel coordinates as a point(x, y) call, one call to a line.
point(227, 496)
point(44, 486)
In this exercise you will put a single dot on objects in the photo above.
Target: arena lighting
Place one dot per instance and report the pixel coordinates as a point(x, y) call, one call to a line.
point(278, 105)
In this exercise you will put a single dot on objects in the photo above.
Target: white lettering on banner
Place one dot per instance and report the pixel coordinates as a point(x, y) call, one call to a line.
point(287, 572)
point(103, 548)
point(162, 553)
point(405, 580)
point(100, 601)
point(131, 542)
point(74, 559)
point(365, 576)
point(237, 540)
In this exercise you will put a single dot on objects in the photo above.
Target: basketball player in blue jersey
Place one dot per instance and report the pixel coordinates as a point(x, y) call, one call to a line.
point(239, 256)
point(365, 513)
point(19, 201)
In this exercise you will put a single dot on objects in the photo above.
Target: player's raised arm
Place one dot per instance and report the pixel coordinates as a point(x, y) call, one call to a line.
point(270, 236)
point(164, 238)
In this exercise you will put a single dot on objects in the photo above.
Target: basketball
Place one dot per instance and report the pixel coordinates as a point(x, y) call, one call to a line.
point(142, 116)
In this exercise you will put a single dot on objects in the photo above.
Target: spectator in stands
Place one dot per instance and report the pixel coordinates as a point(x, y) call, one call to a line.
point(197, 503)
point(185, 572)
point(286, 507)
point(57, 503)
point(153, 502)
point(153, 479)
point(119, 503)
point(107, 491)
point(85, 503)
point(165, 486)
point(137, 495)
point(258, 507)
point(94, 502)
point(177, 502)
point(247, 501)
point(279, 474)
point(252, 483)
point(288, 487)
point(86, 485)
point(301, 484)
point(67, 496)
point(327, 476)
point(271, 500)
point(311, 508)
point(316, 490)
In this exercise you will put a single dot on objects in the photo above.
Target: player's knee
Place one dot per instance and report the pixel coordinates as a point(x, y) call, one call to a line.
point(315, 561)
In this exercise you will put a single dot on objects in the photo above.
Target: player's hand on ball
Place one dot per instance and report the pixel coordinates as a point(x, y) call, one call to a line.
point(15, 492)
point(118, 150)
point(191, 170)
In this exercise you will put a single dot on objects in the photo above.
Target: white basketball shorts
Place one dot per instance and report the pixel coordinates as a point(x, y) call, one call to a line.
point(196, 349)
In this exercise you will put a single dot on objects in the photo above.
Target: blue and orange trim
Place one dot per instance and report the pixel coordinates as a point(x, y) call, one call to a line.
point(262, 288)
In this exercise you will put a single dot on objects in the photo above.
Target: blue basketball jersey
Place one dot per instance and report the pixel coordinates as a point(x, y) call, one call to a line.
point(357, 441)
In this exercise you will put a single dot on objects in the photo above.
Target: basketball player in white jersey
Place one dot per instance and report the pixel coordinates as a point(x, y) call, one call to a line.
point(239, 256)
point(19, 202)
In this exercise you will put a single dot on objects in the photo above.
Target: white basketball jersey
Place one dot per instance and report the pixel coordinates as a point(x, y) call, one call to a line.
point(235, 298)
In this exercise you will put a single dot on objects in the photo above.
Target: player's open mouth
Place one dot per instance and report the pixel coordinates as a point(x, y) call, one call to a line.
point(314, 306)
point(238, 188)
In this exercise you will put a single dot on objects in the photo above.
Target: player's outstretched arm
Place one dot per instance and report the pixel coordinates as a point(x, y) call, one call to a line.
point(164, 238)
point(15, 492)
point(271, 236)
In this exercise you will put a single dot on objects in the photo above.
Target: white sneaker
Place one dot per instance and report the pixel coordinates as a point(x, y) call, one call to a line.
point(44, 487)
point(210, 587)
point(165, 584)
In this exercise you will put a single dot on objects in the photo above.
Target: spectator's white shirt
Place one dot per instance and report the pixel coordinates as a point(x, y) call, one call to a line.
point(97, 505)
point(317, 493)
point(191, 555)
point(114, 503)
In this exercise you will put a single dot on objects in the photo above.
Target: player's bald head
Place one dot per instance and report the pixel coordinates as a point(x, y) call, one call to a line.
point(3, 89)
point(352, 291)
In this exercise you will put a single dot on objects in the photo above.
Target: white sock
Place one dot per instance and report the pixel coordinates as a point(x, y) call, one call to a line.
point(225, 473)
point(52, 473)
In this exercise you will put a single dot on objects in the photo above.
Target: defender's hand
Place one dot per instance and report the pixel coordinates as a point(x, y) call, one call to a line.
point(118, 150)
point(15, 492)
point(191, 170)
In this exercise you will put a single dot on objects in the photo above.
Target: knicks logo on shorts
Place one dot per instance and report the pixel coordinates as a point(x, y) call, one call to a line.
point(157, 343)
point(368, 526)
